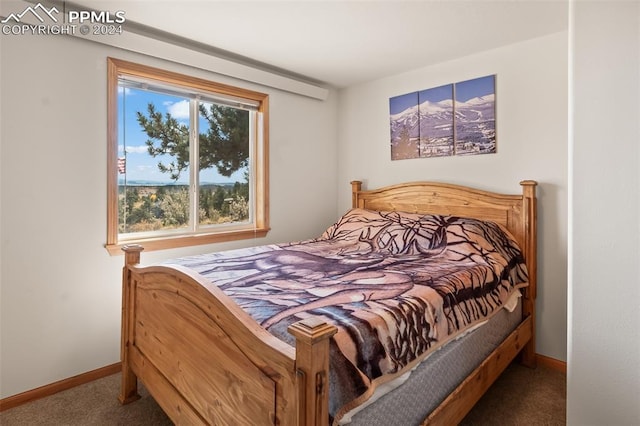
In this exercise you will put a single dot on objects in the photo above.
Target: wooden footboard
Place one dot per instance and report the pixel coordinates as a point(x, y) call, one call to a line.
point(205, 361)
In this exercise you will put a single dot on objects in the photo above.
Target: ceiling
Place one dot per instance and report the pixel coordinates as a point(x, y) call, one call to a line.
point(342, 43)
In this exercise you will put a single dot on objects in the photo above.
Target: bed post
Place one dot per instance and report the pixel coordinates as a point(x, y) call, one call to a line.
point(356, 186)
point(129, 384)
point(528, 356)
point(312, 370)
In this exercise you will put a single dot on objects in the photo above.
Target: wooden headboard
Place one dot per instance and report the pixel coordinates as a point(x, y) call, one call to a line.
point(517, 213)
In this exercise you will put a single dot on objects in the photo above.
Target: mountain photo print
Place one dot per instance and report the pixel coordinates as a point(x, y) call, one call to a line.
point(405, 126)
point(454, 119)
point(476, 116)
point(436, 121)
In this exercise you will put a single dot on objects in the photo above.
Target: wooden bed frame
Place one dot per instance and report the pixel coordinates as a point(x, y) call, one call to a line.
point(205, 361)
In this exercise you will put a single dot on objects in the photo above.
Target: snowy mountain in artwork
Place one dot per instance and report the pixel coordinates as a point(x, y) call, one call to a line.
point(407, 120)
point(418, 116)
point(436, 128)
point(427, 129)
point(476, 126)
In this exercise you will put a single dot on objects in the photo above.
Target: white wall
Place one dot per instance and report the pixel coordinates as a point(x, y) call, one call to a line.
point(60, 290)
point(603, 378)
point(531, 101)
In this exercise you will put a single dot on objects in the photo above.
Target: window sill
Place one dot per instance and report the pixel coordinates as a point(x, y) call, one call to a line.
point(164, 243)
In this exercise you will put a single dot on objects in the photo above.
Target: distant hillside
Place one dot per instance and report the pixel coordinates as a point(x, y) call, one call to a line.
point(134, 182)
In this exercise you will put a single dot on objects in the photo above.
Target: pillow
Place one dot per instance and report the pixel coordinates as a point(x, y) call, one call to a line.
point(391, 232)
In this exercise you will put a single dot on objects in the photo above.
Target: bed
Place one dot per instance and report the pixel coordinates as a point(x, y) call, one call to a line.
point(207, 360)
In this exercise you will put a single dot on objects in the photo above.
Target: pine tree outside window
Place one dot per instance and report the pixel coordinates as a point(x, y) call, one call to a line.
point(187, 159)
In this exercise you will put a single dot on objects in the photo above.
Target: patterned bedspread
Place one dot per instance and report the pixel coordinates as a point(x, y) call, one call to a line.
point(397, 286)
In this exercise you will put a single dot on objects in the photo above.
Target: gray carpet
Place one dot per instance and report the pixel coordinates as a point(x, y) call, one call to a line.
point(521, 396)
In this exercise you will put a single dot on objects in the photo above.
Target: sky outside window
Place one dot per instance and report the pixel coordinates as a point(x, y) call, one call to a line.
point(140, 166)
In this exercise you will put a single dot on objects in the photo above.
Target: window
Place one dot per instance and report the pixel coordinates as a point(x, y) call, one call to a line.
point(187, 160)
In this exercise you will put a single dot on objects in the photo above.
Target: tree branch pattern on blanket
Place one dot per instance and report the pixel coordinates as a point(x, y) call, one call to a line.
point(397, 285)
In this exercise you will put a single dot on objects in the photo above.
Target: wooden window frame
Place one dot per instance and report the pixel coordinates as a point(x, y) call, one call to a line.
point(259, 227)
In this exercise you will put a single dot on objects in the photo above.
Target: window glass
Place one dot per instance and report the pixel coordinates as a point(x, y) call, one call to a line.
point(153, 161)
point(224, 154)
point(186, 158)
